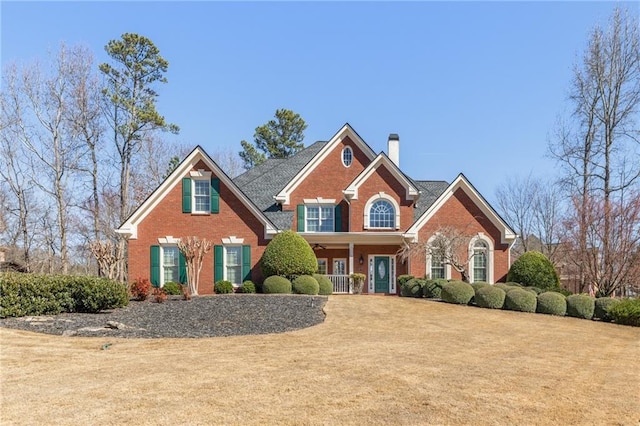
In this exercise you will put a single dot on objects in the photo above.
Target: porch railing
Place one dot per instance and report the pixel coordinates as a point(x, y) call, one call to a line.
point(340, 284)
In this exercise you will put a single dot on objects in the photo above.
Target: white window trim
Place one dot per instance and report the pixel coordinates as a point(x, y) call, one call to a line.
point(386, 197)
point(346, 265)
point(482, 237)
point(319, 201)
point(232, 240)
point(319, 206)
point(206, 179)
point(371, 273)
point(161, 254)
point(326, 264)
point(224, 263)
point(447, 266)
point(347, 147)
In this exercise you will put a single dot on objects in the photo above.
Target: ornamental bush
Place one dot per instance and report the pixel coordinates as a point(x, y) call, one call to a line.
point(248, 287)
point(326, 286)
point(580, 306)
point(602, 307)
point(403, 279)
point(477, 286)
point(627, 312)
point(276, 284)
point(140, 289)
point(504, 286)
point(432, 289)
point(534, 269)
point(223, 287)
point(490, 297)
point(412, 288)
point(305, 284)
point(457, 292)
point(172, 288)
point(93, 294)
point(552, 303)
point(288, 255)
point(520, 300)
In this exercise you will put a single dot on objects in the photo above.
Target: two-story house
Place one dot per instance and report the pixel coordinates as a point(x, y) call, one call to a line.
point(356, 209)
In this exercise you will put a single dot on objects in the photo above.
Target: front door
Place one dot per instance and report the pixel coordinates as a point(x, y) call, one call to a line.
point(381, 274)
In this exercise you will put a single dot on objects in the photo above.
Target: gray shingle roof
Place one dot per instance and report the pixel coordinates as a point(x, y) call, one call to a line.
point(263, 182)
point(430, 191)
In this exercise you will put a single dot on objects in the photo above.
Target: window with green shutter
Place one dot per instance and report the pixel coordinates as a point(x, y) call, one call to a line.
point(218, 263)
point(338, 218)
point(246, 263)
point(155, 266)
point(186, 195)
point(300, 217)
point(215, 195)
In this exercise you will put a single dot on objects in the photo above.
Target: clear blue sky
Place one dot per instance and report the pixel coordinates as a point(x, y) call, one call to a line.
point(472, 87)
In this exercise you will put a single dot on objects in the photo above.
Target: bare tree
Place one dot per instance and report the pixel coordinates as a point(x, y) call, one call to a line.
point(516, 200)
point(193, 249)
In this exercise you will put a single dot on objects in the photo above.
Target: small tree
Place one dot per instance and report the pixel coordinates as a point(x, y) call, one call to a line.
point(193, 249)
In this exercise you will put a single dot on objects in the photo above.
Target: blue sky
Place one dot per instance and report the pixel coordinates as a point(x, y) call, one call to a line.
point(471, 87)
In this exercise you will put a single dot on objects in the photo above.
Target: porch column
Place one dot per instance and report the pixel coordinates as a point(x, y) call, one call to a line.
point(350, 258)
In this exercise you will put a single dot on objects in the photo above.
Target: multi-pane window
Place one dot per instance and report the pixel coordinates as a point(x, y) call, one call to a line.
point(437, 266)
point(347, 156)
point(320, 218)
point(170, 264)
point(233, 264)
point(322, 266)
point(201, 195)
point(382, 215)
point(340, 267)
point(480, 261)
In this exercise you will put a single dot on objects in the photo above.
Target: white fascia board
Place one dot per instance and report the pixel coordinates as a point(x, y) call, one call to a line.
point(346, 130)
point(412, 192)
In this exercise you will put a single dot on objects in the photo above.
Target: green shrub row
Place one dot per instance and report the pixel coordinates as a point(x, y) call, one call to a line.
point(305, 284)
point(37, 294)
point(223, 287)
point(325, 284)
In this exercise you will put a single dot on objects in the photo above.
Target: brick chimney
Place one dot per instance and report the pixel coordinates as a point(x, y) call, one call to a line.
point(393, 148)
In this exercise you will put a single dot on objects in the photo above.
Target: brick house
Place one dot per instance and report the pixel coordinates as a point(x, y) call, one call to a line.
point(356, 209)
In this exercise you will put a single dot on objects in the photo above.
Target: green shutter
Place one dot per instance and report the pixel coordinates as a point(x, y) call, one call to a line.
point(300, 217)
point(215, 195)
point(186, 195)
point(218, 264)
point(246, 263)
point(155, 266)
point(182, 269)
point(337, 218)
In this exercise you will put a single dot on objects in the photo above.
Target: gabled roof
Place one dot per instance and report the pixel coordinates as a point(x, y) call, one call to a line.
point(430, 190)
point(461, 182)
point(130, 226)
point(412, 192)
point(345, 131)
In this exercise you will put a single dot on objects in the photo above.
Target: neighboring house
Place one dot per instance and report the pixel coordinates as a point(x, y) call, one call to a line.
point(356, 209)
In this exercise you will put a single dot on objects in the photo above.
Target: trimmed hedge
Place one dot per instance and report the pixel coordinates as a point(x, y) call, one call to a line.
point(412, 288)
point(326, 286)
point(276, 284)
point(305, 284)
point(432, 289)
point(602, 307)
point(248, 287)
point(457, 292)
point(490, 297)
point(172, 288)
point(288, 255)
point(627, 312)
point(521, 300)
point(580, 306)
point(504, 286)
point(534, 269)
point(223, 287)
point(403, 279)
point(38, 294)
point(552, 303)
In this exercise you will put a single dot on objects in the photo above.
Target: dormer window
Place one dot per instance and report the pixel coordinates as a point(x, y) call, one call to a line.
point(382, 212)
point(347, 156)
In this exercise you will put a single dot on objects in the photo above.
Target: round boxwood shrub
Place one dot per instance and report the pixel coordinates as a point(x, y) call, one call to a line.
point(326, 286)
point(288, 255)
point(403, 279)
point(602, 307)
point(223, 287)
point(520, 300)
point(172, 288)
point(412, 288)
point(490, 297)
point(276, 284)
point(552, 303)
point(537, 290)
point(627, 312)
point(457, 292)
point(248, 287)
point(534, 269)
point(580, 306)
point(504, 286)
point(477, 286)
point(432, 289)
point(305, 284)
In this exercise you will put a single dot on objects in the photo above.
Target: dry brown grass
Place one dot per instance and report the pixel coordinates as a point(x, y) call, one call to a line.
point(375, 360)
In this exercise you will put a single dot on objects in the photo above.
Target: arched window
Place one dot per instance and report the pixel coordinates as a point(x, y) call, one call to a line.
point(480, 261)
point(347, 156)
point(382, 215)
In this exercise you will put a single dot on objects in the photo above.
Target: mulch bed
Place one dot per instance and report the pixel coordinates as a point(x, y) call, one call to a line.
point(206, 316)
